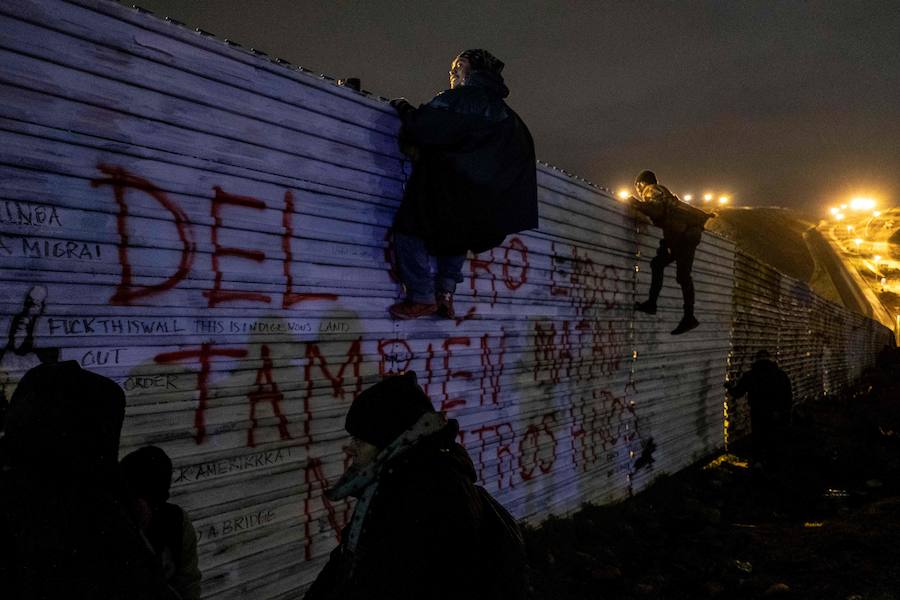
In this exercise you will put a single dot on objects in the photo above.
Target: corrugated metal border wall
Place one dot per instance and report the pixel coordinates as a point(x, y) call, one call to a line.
point(210, 229)
point(820, 345)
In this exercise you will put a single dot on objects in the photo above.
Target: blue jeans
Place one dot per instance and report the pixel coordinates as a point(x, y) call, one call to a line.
point(414, 268)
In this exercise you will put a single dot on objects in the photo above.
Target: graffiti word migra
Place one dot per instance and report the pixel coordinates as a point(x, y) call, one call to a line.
point(43, 248)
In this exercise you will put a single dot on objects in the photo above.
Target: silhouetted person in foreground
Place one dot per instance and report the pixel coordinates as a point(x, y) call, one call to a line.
point(682, 227)
point(146, 478)
point(769, 395)
point(64, 532)
point(473, 182)
point(421, 528)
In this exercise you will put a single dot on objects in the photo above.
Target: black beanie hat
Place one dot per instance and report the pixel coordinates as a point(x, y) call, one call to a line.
point(646, 177)
point(482, 60)
point(147, 473)
point(387, 409)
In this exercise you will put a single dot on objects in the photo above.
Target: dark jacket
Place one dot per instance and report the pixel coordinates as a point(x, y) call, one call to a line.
point(174, 540)
point(64, 532)
point(474, 179)
point(677, 219)
point(424, 535)
point(768, 391)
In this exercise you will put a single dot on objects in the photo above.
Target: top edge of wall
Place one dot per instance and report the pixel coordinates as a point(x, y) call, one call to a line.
point(200, 37)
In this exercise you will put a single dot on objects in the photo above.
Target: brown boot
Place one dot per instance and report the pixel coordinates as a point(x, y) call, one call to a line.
point(411, 310)
point(445, 305)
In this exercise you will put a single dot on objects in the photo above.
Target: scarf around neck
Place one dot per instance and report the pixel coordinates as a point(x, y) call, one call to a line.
point(362, 483)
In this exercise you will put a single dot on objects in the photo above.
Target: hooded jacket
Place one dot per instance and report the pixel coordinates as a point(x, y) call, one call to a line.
point(768, 391)
point(422, 534)
point(64, 533)
point(666, 211)
point(474, 179)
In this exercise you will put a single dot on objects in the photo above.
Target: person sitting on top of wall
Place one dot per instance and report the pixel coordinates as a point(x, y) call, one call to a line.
point(473, 182)
point(682, 227)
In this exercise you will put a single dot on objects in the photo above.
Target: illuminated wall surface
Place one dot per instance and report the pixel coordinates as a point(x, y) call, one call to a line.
point(209, 228)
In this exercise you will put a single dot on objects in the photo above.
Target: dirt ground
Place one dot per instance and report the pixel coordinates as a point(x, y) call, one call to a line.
point(825, 525)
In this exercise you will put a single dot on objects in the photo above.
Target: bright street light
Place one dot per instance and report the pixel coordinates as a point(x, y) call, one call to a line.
point(860, 203)
point(707, 197)
point(723, 199)
point(688, 197)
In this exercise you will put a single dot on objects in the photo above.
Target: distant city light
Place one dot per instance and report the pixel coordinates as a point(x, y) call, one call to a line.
point(861, 203)
point(877, 257)
point(688, 197)
point(857, 241)
point(876, 213)
point(723, 199)
point(623, 194)
point(849, 228)
point(839, 216)
point(707, 197)
point(843, 207)
point(834, 211)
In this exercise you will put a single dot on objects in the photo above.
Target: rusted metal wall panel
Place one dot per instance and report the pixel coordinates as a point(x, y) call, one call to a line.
point(210, 229)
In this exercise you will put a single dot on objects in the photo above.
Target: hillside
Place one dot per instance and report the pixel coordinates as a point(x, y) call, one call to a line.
point(775, 236)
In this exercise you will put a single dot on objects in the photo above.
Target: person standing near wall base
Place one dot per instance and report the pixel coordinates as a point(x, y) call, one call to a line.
point(768, 391)
point(473, 182)
point(64, 531)
point(146, 478)
point(421, 528)
point(682, 227)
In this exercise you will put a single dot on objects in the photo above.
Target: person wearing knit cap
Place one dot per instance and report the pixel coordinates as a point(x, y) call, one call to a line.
point(473, 182)
point(417, 510)
point(682, 229)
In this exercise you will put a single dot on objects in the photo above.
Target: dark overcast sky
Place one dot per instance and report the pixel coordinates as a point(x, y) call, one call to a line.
point(776, 102)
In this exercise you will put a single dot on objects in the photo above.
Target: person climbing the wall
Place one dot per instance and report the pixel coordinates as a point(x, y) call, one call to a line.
point(146, 478)
point(768, 391)
point(682, 227)
point(421, 528)
point(473, 182)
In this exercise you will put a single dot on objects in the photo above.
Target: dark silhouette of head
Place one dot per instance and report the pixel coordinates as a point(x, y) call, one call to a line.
point(762, 355)
point(482, 60)
point(387, 409)
point(147, 473)
point(66, 420)
point(645, 178)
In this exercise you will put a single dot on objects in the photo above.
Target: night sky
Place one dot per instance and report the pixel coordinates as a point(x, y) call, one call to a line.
point(776, 103)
